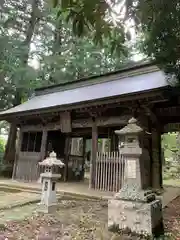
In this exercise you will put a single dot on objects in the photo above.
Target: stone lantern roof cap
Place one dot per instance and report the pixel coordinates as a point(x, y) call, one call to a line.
point(52, 161)
point(131, 128)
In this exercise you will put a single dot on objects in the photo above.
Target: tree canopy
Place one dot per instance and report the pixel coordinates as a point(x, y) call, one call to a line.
point(39, 48)
point(156, 21)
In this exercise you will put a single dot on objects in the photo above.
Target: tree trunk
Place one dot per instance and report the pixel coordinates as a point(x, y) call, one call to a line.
point(9, 154)
point(10, 150)
point(56, 48)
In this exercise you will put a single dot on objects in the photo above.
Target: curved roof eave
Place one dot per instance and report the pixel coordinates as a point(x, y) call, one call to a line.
point(118, 87)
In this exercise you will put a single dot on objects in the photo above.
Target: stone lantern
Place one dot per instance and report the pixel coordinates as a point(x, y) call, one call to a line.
point(135, 206)
point(49, 177)
point(136, 158)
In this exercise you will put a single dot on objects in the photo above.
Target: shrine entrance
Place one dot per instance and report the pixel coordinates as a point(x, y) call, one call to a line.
point(55, 142)
point(76, 159)
point(65, 116)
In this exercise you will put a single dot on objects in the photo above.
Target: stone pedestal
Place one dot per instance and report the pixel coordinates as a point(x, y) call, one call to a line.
point(135, 206)
point(48, 197)
point(140, 217)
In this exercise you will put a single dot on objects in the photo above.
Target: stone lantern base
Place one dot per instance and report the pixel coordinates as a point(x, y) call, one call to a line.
point(42, 208)
point(138, 216)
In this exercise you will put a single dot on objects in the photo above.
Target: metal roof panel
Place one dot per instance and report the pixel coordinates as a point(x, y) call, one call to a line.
point(118, 87)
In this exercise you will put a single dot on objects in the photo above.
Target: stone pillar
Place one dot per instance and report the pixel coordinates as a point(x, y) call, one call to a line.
point(135, 206)
point(156, 159)
point(145, 124)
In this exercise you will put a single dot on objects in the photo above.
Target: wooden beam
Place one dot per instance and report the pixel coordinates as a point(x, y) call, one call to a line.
point(114, 120)
point(168, 111)
point(171, 127)
point(65, 122)
point(81, 123)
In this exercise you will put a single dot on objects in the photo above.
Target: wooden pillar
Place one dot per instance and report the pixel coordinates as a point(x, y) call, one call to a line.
point(114, 142)
point(156, 159)
point(43, 151)
point(43, 144)
point(18, 149)
point(84, 156)
point(94, 149)
point(66, 155)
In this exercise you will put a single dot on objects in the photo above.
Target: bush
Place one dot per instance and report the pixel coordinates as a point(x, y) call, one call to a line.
point(6, 170)
point(171, 169)
point(2, 148)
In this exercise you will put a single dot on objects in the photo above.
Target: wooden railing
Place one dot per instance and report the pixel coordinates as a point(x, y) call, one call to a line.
point(109, 171)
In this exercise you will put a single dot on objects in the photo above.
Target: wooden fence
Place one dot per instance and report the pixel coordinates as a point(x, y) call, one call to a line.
point(27, 167)
point(109, 171)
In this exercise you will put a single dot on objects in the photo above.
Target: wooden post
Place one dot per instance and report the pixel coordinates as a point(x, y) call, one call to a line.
point(156, 159)
point(114, 142)
point(66, 155)
point(94, 149)
point(84, 156)
point(43, 150)
point(18, 149)
point(43, 144)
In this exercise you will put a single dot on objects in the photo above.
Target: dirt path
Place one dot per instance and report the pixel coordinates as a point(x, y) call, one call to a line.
point(172, 218)
point(82, 220)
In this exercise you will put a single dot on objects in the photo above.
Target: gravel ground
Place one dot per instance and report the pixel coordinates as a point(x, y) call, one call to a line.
point(79, 220)
point(172, 218)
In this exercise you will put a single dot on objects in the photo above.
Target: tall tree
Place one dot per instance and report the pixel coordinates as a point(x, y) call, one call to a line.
point(69, 57)
point(24, 25)
point(97, 17)
point(159, 23)
point(33, 30)
point(156, 20)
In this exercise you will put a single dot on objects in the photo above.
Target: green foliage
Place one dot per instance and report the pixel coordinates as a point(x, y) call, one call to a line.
point(2, 148)
point(93, 16)
point(33, 31)
point(61, 55)
point(5, 169)
point(157, 21)
point(169, 143)
point(172, 155)
point(17, 76)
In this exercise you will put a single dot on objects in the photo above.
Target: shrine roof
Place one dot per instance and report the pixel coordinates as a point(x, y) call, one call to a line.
point(135, 80)
point(131, 66)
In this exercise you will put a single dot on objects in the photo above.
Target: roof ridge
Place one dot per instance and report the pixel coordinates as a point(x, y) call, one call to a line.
point(136, 65)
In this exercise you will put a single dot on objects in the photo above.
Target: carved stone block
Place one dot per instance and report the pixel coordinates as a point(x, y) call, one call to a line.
point(145, 218)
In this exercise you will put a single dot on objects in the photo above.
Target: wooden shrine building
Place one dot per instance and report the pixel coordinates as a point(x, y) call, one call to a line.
point(94, 108)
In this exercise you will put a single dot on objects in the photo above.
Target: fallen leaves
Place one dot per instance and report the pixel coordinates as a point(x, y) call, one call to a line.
point(84, 220)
